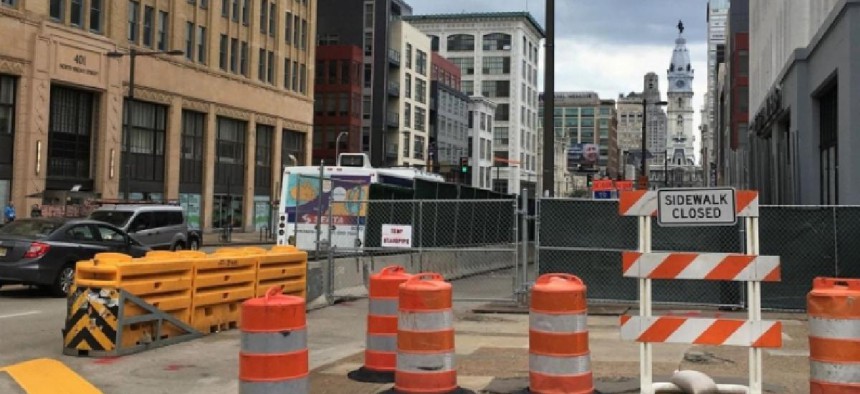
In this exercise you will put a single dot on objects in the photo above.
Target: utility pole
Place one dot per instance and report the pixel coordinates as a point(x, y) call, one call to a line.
point(549, 103)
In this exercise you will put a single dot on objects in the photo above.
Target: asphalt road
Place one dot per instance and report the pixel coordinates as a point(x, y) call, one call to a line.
point(31, 322)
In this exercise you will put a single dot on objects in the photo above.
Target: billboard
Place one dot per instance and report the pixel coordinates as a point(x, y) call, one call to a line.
point(307, 201)
point(582, 155)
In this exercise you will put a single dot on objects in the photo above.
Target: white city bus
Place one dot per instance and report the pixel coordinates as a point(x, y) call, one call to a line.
point(347, 185)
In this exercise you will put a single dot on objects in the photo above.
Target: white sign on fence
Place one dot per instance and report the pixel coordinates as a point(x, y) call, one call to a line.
point(696, 207)
point(396, 236)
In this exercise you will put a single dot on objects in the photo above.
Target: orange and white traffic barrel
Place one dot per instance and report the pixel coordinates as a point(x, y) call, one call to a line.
point(559, 358)
point(425, 337)
point(274, 352)
point(833, 306)
point(380, 355)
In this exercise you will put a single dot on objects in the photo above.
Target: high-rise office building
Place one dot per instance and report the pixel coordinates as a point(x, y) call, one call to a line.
point(498, 56)
point(209, 125)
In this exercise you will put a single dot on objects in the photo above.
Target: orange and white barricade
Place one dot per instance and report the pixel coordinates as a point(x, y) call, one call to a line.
point(274, 352)
point(380, 355)
point(559, 358)
point(646, 266)
point(425, 337)
point(833, 306)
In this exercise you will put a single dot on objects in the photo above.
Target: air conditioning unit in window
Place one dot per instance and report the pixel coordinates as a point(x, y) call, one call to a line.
point(506, 48)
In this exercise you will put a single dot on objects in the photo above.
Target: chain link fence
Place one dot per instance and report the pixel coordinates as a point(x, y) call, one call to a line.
point(586, 238)
point(354, 238)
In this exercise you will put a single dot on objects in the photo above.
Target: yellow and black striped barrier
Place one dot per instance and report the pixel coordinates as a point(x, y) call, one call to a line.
point(98, 326)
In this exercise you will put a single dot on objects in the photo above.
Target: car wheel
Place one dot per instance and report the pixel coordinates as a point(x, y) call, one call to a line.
point(194, 244)
point(64, 282)
point(178, 246)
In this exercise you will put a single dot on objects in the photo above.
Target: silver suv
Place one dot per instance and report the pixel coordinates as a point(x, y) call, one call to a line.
point(156, 226)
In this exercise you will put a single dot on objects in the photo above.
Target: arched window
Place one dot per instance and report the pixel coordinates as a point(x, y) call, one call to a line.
point(497, 42)
point(461, 43)
point(434, 43)
point(680, 102)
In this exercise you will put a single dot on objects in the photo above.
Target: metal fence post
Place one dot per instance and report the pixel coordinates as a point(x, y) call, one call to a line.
point(420, 226)
point(524, 278)
point(537, 236)
point(835, 242)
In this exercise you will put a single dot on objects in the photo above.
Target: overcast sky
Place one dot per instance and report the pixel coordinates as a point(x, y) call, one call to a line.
point(607, 46)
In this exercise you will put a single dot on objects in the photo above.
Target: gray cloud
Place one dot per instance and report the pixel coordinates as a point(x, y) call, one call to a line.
point(620, 22)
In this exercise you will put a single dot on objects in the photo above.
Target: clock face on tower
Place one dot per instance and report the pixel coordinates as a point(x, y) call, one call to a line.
point(680, 83)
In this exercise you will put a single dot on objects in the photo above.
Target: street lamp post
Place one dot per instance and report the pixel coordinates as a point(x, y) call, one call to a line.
point(337, 146)
point(644, 176)
point(132, 55)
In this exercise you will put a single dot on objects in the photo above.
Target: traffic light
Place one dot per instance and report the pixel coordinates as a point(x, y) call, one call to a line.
point(589, 180)
point(464, 164)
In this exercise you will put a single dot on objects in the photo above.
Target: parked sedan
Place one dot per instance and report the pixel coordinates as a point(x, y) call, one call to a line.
point(44, 251)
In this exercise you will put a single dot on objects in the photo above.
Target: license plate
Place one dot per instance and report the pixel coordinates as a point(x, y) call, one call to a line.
point(2, 252)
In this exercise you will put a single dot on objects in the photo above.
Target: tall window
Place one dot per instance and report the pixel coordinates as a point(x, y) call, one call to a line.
point(56, 10)
point(434, 43)
point(144, 125)
point(294, 84)
point(162, 30)
point(466, 64)
point(201, 44)
point(304, 39)
point(270, 68)
point(420, 119)
point(234, 55)
point(264, 16)
point(497, 42)
point(407, 115)
point(230, 152)
point(70, 126)
point(287, 78)
point(96, 11)
point(235, 10)
point(288, 30)
point(421, 62)
point(191, 165)
point(497, 65)
point(244, 59)
point(7, 125)
point(225, 8)
point(293, 143)
point(303, 82)
point(368, 15)
point(76, 13)
point(261, 70)
point(133, 20)
point(421, 90)
point(828, 112)
point(461, 43)
point(148, 19)
point(408, 55)
point(189, 40)
point(503, 112)
point(263, 160)
point(273, 12)
point(408, 88)
point(246, 12)
point(418, 148)
point(222, 53)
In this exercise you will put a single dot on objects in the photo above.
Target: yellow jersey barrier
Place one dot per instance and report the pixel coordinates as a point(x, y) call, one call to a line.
point(121, 305)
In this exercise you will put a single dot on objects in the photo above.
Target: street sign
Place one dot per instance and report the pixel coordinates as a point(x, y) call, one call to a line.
point(696, 207)
point(603, 194)
point(396, 236)
point(602, 185)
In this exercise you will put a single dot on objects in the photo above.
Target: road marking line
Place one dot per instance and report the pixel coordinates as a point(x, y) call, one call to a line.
point(20, 314)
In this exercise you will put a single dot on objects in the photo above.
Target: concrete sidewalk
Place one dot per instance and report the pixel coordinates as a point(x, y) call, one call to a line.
point(492, 356)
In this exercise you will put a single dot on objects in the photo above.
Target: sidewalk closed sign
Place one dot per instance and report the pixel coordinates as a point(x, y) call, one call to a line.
point(696, 207)
point(396, 236)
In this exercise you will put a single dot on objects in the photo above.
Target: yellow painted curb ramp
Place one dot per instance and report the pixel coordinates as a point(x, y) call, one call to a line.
point(47, 376)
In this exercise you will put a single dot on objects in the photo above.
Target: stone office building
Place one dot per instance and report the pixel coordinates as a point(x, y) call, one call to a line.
point(211, 123)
